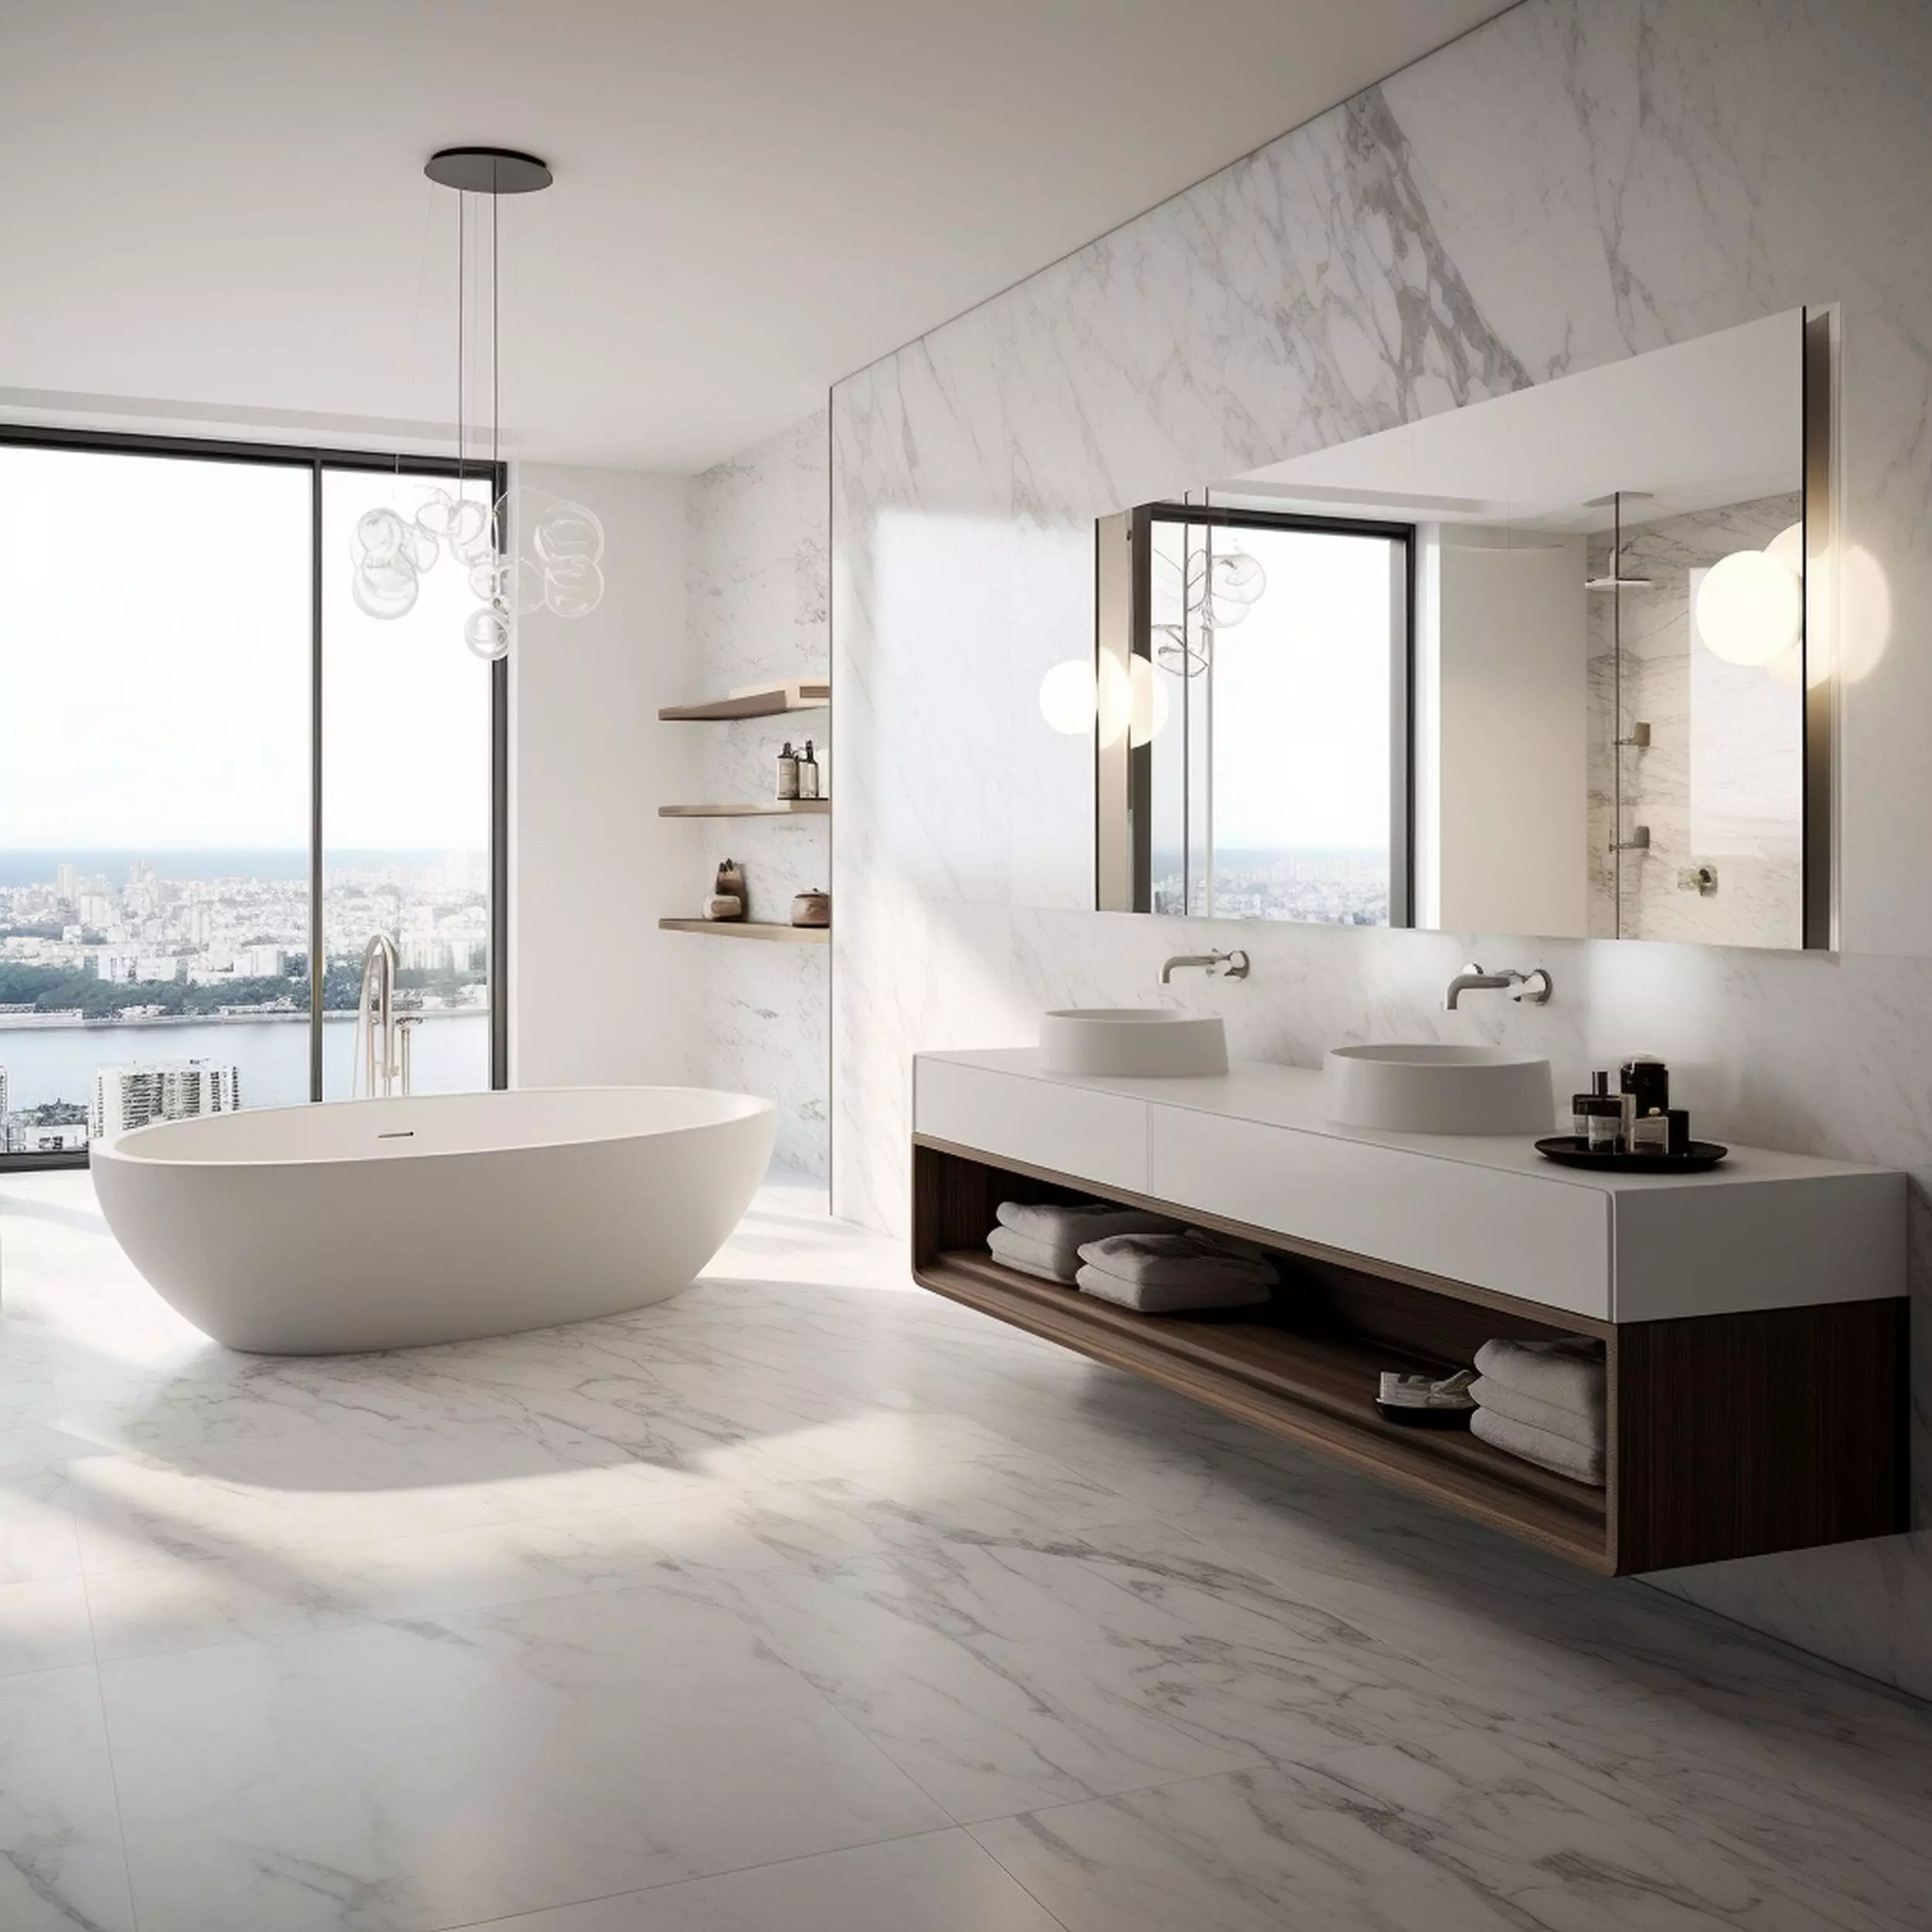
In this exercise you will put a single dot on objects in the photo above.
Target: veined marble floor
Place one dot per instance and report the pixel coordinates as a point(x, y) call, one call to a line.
point(808, 1601)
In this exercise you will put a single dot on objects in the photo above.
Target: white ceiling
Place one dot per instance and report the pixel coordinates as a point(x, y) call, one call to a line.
point(215, 211)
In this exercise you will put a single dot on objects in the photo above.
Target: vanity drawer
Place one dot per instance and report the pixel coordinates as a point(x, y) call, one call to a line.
point(1544, 1242)
point(1093, 1136)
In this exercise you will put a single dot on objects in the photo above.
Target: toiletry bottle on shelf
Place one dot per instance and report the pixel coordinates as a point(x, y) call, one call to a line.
point(1650, 1133)
point(788, 772)
point(1599, 1116)
point(807, 772)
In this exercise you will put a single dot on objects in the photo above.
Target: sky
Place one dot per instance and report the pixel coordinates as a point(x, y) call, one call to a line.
point(154, 666)
point(1301, 697)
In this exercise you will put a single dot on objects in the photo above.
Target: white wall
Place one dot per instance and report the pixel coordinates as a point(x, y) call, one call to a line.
point(598, 996)
point(757, 596)
point(1514, 715)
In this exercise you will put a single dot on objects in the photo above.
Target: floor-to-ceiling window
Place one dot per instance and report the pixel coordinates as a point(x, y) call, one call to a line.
point(179, 711)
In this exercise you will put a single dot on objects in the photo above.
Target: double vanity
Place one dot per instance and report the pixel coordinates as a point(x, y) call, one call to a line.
point(1753, 1317)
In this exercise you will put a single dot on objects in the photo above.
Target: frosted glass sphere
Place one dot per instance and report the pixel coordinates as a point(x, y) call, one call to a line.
point(1070, 696)
point(1787, 548)
point(487, 631)
point(573, 587)
point(385, 591)
point(1749, 608)
point(379, 535)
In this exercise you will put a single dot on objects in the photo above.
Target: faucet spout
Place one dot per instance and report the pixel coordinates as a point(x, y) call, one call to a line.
point(382, 1066)
point(1534, 986)
point(1233, 965)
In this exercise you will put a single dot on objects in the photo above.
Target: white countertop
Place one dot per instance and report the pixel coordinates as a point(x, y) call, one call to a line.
point(1290, 1096)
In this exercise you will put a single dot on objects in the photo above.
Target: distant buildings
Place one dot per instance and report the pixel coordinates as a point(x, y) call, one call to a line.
point(126, 1097)
point(34, 1132)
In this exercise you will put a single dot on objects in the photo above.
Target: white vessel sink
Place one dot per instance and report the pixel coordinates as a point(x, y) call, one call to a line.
point(1131, 1041)
point(1428, 1088)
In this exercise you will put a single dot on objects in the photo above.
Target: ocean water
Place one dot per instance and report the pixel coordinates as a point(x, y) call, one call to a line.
point(450, 1054)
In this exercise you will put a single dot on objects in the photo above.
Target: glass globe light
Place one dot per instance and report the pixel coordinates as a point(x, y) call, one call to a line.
point(487, 631)
point(1749, 608)
point(1069, 697)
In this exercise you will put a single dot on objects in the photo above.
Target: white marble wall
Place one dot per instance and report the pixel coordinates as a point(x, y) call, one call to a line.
point(756, 596)
point(1577, 181)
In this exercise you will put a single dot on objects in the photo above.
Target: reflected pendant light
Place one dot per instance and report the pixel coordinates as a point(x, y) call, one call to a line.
point(530, 550)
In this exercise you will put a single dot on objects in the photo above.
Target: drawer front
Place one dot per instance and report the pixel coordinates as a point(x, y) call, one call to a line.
point(1093, 1136)
point(1542, 1240)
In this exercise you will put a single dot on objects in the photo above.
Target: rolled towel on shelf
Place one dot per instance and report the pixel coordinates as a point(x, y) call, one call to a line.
point(1580, 1425)
point(1174, 1297)
point(1177, 1260)
point(1050, 1263)
point(1567, 1374)
point(1559, 1453)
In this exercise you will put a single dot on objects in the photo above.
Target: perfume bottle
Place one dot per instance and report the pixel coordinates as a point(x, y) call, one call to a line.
point(1598, 1116)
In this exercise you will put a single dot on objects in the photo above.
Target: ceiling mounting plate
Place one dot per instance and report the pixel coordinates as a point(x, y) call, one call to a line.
point(487, 170)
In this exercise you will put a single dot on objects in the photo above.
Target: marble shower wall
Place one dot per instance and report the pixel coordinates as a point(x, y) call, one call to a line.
point(1721, 783)
point(1578, 180)
point(756, 601)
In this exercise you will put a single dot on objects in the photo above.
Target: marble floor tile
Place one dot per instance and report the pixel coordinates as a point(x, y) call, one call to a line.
point(428, 1772)
point(62, 1868)
point(942, 1881)
point(1469, 1831)
point(44, 1625)
point(1006, 1670)
point(170, 1603)
point(37, 1535)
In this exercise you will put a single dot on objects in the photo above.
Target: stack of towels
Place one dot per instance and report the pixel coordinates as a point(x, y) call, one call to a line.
point(1543, 1401)
point(1140, 1260)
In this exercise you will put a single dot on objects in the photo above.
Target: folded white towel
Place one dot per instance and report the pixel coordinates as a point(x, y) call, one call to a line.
point(1053, 1233)
point(1050, 1262)
point(1567, 1374)
point(1539, 1446)
point(1070, 1223)
point(1585, 1426)
point(1045, 1270)
point(1179, 1261)
point(1170, 1298)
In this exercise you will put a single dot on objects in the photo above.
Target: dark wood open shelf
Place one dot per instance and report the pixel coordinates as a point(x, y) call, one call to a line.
point(1727, 1435)
point(1316, 1389)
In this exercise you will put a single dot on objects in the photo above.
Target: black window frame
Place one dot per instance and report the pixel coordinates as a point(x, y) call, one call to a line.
point(318, 461)
point(1402, 726)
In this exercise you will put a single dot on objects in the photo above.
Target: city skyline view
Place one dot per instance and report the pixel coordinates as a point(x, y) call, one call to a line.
point(110, 959)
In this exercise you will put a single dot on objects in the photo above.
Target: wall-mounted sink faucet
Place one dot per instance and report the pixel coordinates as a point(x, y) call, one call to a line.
point(1233, 965)
point(1533, 986)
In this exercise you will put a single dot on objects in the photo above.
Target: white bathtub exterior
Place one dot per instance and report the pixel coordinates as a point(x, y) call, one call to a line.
point(391, 1223)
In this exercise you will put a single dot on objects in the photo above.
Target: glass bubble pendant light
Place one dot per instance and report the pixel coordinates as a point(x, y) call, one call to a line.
point(528, 551)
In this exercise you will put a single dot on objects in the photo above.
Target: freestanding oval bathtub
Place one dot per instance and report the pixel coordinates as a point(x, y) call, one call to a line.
point(388, 1223)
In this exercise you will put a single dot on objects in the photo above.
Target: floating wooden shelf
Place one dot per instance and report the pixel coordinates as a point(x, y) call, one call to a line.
point(768, 700)
point(763, 809)
point(749, 929)
point(1729, 1435)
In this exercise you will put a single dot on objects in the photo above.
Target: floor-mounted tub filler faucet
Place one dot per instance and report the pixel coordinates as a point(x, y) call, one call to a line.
point(1233, 965)
point(382, 1034)
point(1533, 986)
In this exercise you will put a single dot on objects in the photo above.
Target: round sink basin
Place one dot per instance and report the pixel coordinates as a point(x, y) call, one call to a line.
point(1431, 1088)
point(1132, 1042)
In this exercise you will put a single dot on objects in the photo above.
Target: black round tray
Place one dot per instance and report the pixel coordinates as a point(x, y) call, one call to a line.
point(1568, 1150)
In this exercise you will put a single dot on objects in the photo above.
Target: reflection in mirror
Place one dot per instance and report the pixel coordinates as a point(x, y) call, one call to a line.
point(1537, 666)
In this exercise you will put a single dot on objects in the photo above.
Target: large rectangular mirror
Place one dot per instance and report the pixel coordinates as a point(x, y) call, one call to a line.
point(1546, 664)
